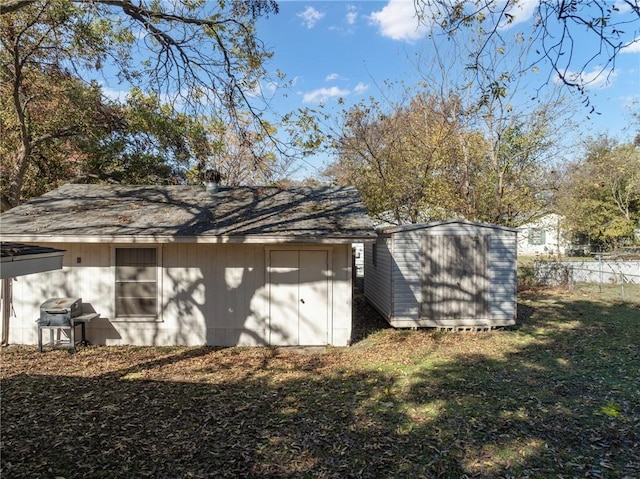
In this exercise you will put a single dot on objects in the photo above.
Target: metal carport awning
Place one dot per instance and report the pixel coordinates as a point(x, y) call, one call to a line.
point(17, 259)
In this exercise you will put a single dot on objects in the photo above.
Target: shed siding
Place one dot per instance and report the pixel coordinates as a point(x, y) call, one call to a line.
point(489, 296)
point(455, 278)
point(503, 279)
point(407, 264)
point(377, 285)
point(210, 294)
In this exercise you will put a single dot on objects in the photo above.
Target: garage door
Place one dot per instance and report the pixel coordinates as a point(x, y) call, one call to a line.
point(299, 286)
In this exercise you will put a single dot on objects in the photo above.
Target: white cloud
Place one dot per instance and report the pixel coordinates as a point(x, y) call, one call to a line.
point(623, 7)
point(331, 77)
point(596, 78)
point(398, 21)
point(271, 87)
point(311, 16)
point(361, 88)
point(352, 15)
point(633, 47)
point(112, 94)
point(321, 95)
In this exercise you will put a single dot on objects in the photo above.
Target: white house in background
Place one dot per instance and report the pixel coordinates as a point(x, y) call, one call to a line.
point(186, 265)
point(542, 237)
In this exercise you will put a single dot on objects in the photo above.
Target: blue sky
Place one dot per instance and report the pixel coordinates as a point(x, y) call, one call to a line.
point(348, 49)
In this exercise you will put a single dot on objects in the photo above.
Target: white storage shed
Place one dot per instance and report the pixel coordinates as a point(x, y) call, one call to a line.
point(443, 274)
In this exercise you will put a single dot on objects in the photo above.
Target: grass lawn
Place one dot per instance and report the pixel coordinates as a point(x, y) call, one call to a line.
point(558, 396)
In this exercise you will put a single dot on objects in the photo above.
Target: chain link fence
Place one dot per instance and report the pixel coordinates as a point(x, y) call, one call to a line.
point(605, 272)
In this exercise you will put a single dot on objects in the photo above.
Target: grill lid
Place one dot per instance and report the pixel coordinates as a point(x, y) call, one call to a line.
point(62, 306)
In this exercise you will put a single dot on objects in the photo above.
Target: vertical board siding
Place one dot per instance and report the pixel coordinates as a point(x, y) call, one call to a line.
point(86, 269)
point(299, 287)
point(341, 295)
point(213, 294)
point(455, 281)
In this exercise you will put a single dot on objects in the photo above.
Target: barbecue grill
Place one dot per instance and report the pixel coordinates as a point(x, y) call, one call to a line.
point(61, 316)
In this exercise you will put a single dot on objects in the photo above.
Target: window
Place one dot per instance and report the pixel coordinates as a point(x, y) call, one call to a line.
point(136, 283)
point(537, 236)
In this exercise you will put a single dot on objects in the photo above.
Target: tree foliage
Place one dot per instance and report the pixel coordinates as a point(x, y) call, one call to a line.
point(57, 127)
point(200, 57)
point(45, 107)
point(466, 143)
point(425, 161)
point(198, 51)
point(398, 159)
point(152, 143)
point(600, 195)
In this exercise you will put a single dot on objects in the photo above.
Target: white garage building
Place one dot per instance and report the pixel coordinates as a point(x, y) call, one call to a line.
point(186, 265)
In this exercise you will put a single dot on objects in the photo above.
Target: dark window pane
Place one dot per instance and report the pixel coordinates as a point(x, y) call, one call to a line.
point(136, 307)
point(136, 282)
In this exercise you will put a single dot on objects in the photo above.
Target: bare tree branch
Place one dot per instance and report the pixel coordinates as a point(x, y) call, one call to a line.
point(555, 24)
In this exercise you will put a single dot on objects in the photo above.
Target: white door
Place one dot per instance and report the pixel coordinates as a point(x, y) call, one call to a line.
point(299, 284)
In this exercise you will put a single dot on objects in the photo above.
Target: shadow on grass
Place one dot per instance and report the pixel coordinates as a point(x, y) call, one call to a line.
point(556, 397)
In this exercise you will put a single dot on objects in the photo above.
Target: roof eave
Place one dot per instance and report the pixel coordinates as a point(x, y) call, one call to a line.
point(21, 264)
point(202, 239)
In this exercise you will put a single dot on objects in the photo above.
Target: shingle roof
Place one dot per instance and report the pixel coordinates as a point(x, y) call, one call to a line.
point(190, 213)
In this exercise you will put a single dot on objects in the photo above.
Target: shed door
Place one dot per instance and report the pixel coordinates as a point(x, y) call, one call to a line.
point(455, 283)
point(298, 297)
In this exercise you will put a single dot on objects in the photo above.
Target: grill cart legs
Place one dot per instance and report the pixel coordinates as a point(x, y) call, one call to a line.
point(57, 333)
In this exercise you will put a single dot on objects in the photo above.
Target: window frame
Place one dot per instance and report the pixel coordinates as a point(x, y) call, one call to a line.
point(537, 236)
point(157, 317)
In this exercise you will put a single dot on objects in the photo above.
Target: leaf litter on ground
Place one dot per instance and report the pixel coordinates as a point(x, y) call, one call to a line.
point(556, 396)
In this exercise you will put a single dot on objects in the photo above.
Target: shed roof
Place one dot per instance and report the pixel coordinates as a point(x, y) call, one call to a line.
point(434, 224)
point(99, 213)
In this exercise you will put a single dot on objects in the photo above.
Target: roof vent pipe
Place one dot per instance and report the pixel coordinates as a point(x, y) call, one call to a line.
point(212, 180)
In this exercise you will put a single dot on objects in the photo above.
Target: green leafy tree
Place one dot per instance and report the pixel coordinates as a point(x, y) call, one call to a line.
point(398, 159)
point(600, 197)
point(511, 138)
point(152, 143)
point(466, 144)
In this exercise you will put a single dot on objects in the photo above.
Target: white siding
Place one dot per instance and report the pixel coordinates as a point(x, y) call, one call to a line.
point(214, 294)
point(377, 278)
point(542, 237)
point(340, 320)
point(406, 276)
point(394, 287)
point(210, 294)
point(503, 279)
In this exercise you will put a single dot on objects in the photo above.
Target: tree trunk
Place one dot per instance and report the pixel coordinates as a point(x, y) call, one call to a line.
point(20, 170)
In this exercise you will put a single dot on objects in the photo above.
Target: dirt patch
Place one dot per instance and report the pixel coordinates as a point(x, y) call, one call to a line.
point(366, 319)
